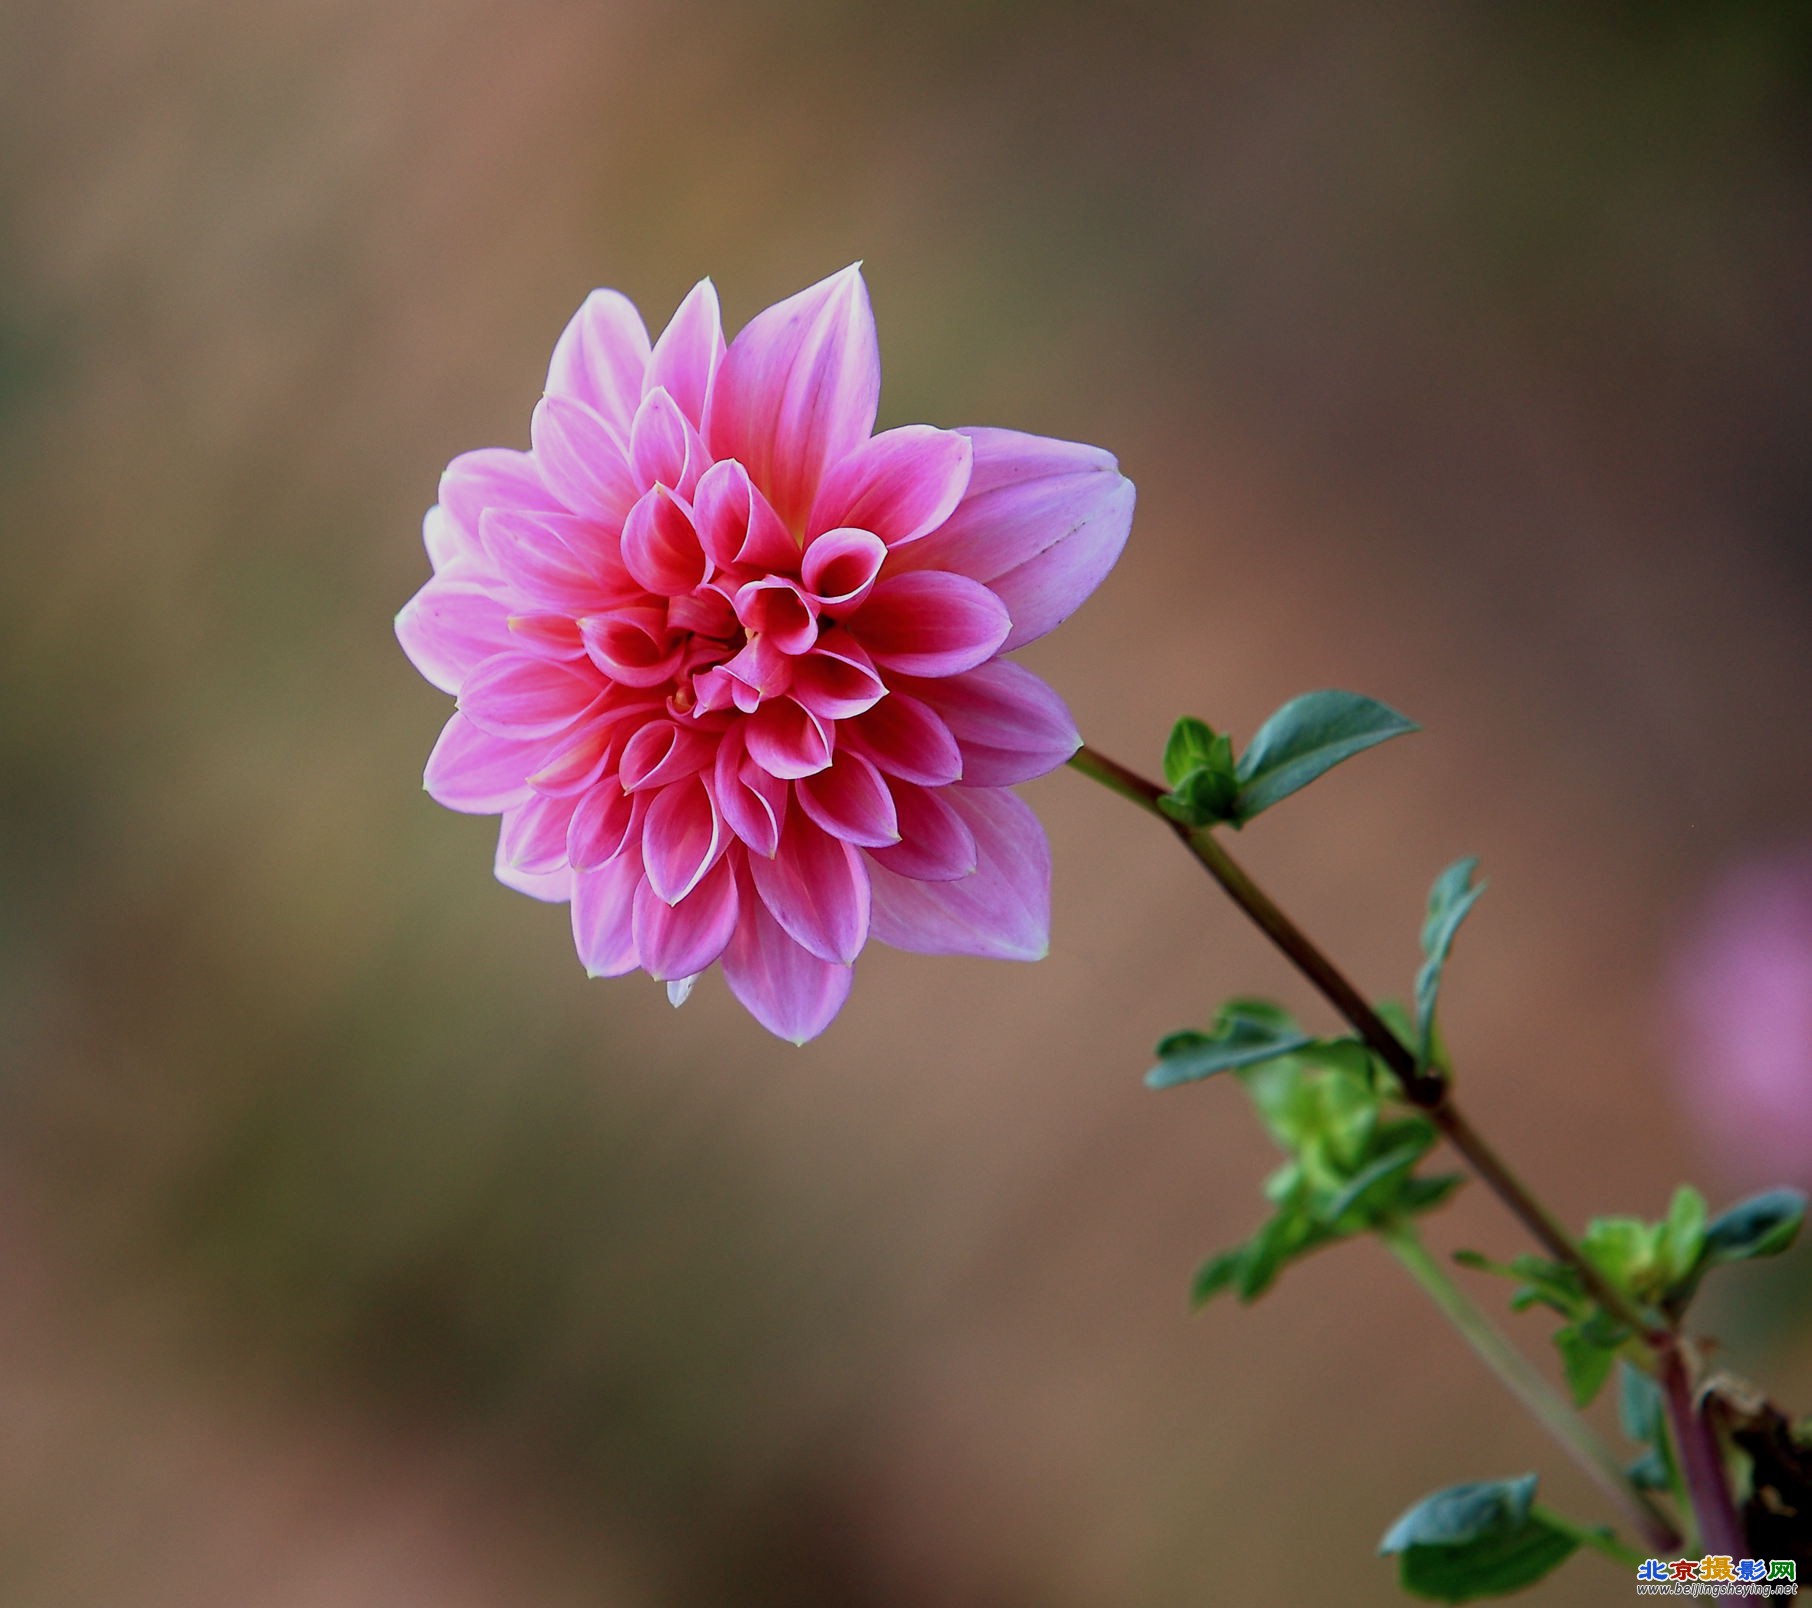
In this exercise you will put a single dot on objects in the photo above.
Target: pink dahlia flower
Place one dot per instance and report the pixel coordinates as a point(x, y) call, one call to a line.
point(728, 662)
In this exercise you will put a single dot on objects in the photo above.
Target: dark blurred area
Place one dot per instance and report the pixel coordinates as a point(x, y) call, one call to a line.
point(356, 1250)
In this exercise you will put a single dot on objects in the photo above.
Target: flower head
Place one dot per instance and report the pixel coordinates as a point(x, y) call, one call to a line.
point(728, 662)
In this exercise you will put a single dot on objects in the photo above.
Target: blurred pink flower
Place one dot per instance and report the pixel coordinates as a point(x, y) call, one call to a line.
point(1742, 986)
point(727, 661)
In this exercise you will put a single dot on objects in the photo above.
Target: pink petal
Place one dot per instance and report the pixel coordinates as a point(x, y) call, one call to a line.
point(605, 822)
point(533, 839)
point(900, 485)
point(479, 774)
point(790, 991)
point(1042, 523)
point(661, 753)
point(906, 737)
point(816, 887)
point(737, 525)
point(576, 759)
point(554, 561)
point(449, 626)
point(935, 844)
point(836, 680)
point(551, 887)
point(762, 669)
point(1010, 725)
point(1003, 909)
point(633, 646)
point(687, 354)
point(850, 800)
point(753, 802)
point(660, 547)
point(930, 623)
point(779, 612)
point(797, 390)
point(448, 542)
point(604, 917)
point(682, 838)
point(841, 567)
point(787, 740)
point(601, 357)
point(683, 939)
point(664, 445)
point(583, 460)
point(519, 696)
point(492, 477)
point(553, 636)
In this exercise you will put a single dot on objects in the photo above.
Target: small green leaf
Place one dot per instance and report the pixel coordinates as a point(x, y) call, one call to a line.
point(1239, 1041)
point(1198, 765)
point(1424, 1194)
point(1586, 1363)
point(1683, 1236)
point(1640, 1410)
point(1625, 1249)
point(1303, 740)
point(1216, 1274)
point(1763, 1225)
point(1453, 894)
point(1483, 1539)
point(1392, 1165)
point(1191, 741)
point(1650, 1471)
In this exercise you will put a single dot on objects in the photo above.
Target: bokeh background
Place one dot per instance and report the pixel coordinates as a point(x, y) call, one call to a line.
point(356, 1250)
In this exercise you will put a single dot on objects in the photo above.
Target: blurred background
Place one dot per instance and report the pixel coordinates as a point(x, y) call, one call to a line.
point(356, 1250)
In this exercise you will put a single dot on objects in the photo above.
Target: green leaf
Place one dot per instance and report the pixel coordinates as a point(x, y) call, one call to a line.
point(1482, 1539)
point(1392, 1165)
point(1625, 1249)
point(1198, 765)
point(1640, 1409)
point(1303, 740)
point(1763, 1225)
point(1453, 894)
point(1683, 1234)
point(1238, 1041)
point(1216, 1274)
point(1586, 1362)
point(1191, 742)
point(1650, 1471)
point(1424, 1194)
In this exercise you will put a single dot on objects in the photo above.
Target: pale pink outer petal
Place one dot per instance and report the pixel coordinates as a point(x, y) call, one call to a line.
point(533, 838)
point(491, 477)
point(584, 462)
point(1042, 523)
point(686, 357)
point(798, 389)
point(789, 990)
point(1008, 722)
point(681, 940)
point(478, 774)
point(447, 541)
point(520, 696)
point(604, 917)
point(936, 844)
point(899, 484)
point(817, 888)
point(551, 887)
point(1002, 910)
point(449, 626)
point(930, 623)
point(682, 838)
point(601, 357)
